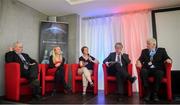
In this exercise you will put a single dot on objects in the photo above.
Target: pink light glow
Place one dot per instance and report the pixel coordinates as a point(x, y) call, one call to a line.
point(131, 7)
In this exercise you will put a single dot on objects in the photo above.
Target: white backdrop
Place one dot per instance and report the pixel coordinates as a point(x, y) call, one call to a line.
point(100, 35)
point(168, 34)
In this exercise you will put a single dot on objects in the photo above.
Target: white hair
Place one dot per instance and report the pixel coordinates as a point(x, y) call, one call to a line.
point(17, 43)
point(152, 40)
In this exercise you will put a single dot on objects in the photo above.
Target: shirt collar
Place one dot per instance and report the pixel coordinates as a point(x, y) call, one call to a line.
point(152, 50)
point(119, 54)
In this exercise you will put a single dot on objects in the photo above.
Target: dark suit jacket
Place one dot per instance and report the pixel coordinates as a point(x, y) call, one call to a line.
point(158, 59)
point(52, 65)
point(11, 57)
point(124, 59)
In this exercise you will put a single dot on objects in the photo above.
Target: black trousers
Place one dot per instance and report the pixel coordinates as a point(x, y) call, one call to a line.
point(121, 75)
point(32, 76)
point(59, 78)
point(157, 74)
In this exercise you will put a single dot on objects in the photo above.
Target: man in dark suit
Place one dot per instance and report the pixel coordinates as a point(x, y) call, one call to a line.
point(116, 64)
point(152, 61)
point(28, 67)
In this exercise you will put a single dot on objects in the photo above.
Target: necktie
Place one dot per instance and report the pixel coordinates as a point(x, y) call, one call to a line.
point(24, 61)
point(152, 53)
point(119, 59)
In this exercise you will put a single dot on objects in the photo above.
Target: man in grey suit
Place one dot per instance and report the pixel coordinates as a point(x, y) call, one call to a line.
point(117, 63)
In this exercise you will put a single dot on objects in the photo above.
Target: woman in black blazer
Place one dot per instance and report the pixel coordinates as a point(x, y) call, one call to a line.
point(57, 61)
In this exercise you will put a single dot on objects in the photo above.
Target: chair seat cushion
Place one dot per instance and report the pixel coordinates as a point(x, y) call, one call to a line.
point(111, 78)
point(51, 71)
point(79, 77)
point(49, 78)
point(151, 79)
point(23, 80)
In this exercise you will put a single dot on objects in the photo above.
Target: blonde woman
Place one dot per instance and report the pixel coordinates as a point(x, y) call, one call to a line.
point(86, 63)
point(57, 61)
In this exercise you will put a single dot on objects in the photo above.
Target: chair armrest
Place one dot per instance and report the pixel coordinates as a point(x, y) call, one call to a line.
point(12, 78)
point(39, 71)
point(43, 71)
point(12, 71)
point(168, 67)
point(74, 68)
point(104, 70)
point(138, 70)
point(129, 68)
point(95, 70)
point(66, 71)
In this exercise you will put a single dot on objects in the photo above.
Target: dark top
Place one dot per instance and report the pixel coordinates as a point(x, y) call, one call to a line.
point(112, 58)
point(11, 57)
point(158, 59)
point(52, 65)
point(89, 65)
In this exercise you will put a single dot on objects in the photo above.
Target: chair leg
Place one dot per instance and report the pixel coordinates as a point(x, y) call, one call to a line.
point(129, 89)
point(169, 92)
point(73, 86)
point(43, 88)
point(105, 87)
point(140, 88)
point(13, 94)
point(95, 88)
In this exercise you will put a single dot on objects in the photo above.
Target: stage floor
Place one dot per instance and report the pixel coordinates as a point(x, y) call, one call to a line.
point(62, 98)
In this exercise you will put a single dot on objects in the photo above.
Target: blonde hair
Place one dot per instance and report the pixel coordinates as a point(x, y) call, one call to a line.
point(152, 40)
point(54, 55)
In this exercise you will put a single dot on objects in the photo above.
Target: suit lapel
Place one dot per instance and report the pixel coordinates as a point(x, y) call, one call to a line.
point(156, 54)
point(147, 54)
point(123, 59)
point(114, 57)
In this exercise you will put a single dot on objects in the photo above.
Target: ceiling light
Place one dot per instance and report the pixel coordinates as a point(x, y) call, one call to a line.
point(74, 2)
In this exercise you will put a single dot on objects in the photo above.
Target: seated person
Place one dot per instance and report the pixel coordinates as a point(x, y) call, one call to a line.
point(86, 63)
point(28, 67)
point(117, 63)
point(152, 61)
point(56, 60)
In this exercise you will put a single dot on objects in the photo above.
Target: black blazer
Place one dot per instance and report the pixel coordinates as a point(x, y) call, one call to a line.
point(112, 57)
point(158, 59)
point(52, 65)
point(11, 57)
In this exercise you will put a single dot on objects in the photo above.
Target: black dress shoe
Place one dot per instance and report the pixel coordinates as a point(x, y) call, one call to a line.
point(68, 90)
point(53, 92)
point(147, 97)
point(155, 97)
point(133, 79)
point(120, 97)
point(37, 97)
point(91, 84)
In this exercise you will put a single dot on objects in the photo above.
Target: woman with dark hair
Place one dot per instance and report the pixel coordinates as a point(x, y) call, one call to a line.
point(86, 63)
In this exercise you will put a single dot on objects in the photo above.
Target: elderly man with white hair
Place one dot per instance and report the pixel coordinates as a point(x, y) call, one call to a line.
point(28, 66)
point(152, 61)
